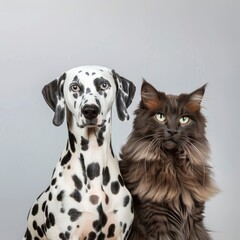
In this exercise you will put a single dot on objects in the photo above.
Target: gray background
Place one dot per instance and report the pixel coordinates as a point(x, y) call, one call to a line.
point(177, 45)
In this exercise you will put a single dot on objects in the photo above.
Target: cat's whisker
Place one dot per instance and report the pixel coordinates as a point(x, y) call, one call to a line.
point(200, 158)
point(150, 145)
point(199, 143)
point(144, 137)
point(202, 155)
point(186, 155)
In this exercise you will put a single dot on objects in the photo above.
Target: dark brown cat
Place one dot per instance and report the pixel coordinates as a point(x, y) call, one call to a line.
point(165, 167)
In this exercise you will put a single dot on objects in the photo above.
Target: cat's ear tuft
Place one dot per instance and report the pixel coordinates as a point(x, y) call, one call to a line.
point(149, 96)
point(195, 99)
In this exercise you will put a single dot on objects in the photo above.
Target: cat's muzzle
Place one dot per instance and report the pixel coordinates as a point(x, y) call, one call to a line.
point(170, 145)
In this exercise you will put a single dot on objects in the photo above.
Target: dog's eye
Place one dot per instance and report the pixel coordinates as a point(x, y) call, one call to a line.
point(75, 88)
point(105, 86)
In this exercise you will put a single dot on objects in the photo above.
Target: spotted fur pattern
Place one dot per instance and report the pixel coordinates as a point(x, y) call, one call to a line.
point(87, 198)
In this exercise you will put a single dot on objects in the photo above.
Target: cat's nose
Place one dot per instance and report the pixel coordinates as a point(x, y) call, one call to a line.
point(172, 131)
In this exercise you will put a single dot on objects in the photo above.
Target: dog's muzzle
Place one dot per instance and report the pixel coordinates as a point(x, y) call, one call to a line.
point(90, 112)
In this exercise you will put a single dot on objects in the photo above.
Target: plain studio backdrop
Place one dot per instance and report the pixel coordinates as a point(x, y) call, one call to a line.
point(177, 45)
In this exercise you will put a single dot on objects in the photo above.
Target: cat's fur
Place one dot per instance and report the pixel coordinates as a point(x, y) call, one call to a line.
point(165, 167)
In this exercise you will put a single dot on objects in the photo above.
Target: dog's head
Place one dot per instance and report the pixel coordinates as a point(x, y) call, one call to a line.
point(88, 92)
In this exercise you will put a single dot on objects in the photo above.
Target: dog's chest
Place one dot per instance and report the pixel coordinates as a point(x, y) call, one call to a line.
point(89, 196)
point(86, 190)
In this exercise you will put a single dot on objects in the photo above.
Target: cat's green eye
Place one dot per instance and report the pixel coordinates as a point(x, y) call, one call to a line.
point(160, 117)
point(184, 120)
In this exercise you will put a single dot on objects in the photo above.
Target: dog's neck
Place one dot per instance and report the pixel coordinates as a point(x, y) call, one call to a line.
point(94, 142)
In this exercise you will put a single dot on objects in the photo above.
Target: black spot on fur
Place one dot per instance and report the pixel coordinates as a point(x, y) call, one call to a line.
point(35, 210)
point(52, 219)
point(50, 196)
point(88, 90)
point(100, 137)
point(126, 201)
point(44, 229)
point(124, 227)
point(127, 234)
point(93, 170)
point(106, 176)
point(115, 187)
point(34, 225)
point(106, 199)
point(53, 181)
point(92, 236)
point(98, 104)
point(64, 236)
point(39, 231)
point(46, 211)
point(120, 180)
point(77, 182)
point(98, 83)
point(111, 230)
point(102, 216)
point(48, 225)
point(87, 73)
point(84, 143)
point(36, 238)
point(75, 95)
point(132, 206)
point(44, 205)
point(94, 199)
point(83, 168)
point(101, 236)
point(72, 141)
point(111, 148)
point(75, 79)
point(60, 195)
point(74, 214)
point(97, 225)
point(66, 158)
point(76, 195)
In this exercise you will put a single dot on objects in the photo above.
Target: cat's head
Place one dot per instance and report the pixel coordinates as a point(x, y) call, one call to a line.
point(170, 124)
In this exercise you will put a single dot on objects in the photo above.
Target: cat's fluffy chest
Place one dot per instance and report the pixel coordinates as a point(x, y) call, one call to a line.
point(169, 180)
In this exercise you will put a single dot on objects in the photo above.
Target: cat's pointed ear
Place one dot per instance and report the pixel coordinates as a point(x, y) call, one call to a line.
point(53, 95)
point(195, 99)
point(150, 96)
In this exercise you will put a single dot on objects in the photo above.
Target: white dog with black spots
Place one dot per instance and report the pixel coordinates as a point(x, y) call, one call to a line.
point(87, 198)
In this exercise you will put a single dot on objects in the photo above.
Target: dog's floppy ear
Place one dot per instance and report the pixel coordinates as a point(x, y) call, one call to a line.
point(53, 95)
point(124, 96)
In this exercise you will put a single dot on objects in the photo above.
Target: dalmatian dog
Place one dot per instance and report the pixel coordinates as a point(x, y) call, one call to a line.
point(87, 198)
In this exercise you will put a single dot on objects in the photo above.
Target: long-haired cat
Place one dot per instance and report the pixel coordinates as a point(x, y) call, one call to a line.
point(165, 166)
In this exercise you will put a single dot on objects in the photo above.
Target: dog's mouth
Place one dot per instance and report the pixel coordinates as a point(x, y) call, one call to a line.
point(91, 123)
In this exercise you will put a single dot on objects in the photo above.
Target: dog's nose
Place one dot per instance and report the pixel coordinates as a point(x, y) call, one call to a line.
point(90, 111)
